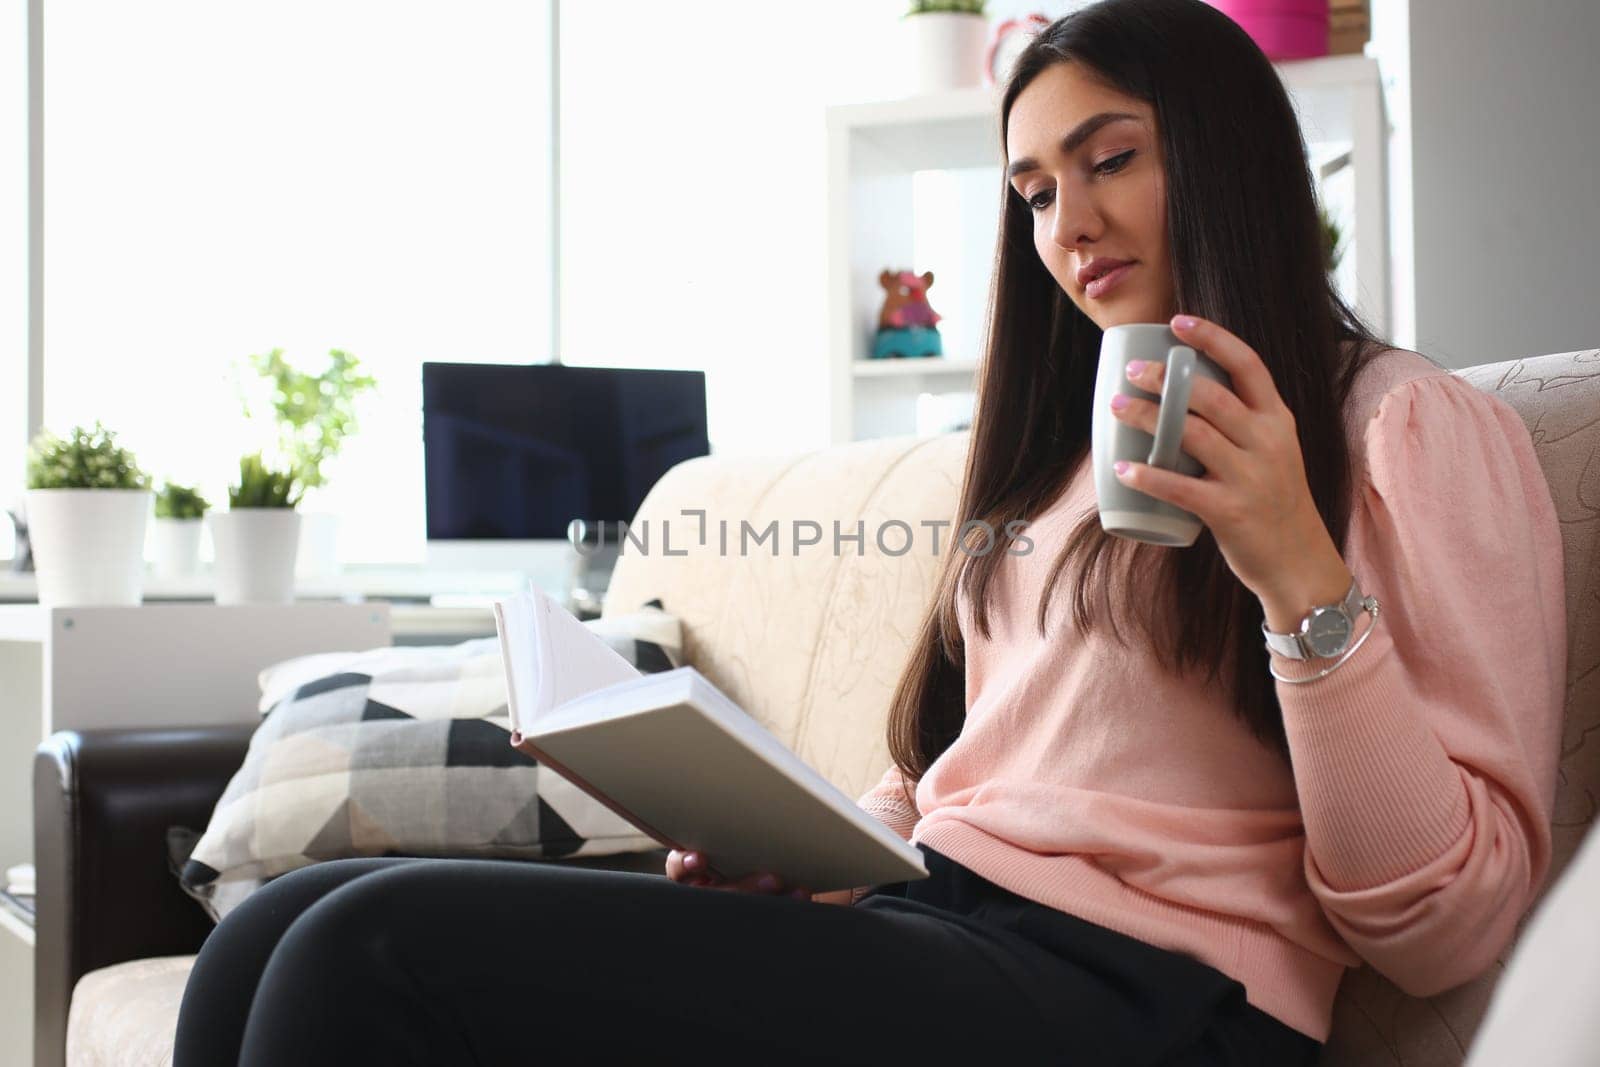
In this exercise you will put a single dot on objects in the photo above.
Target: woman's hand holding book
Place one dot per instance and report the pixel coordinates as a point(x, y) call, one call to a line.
point(838, 896)
point(691, 868)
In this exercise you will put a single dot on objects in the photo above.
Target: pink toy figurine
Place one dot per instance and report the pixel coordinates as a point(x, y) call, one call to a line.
point(905, 302)
point(907, 324)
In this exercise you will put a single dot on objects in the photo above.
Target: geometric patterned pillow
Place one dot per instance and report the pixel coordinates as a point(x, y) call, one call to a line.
point(401, 751)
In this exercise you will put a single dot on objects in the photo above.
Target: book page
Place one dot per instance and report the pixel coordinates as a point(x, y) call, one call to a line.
point(573, 661)
point(550, 657)
point(513, 621)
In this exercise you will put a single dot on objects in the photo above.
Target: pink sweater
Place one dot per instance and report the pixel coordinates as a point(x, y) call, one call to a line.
point(1413, 827)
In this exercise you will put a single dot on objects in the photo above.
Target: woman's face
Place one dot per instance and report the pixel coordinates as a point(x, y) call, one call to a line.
point(1096, 189)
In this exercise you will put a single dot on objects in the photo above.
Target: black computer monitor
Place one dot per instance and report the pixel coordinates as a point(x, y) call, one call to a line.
point(515, 453)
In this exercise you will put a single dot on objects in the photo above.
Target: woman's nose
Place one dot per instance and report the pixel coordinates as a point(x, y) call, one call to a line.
point(1072, 224)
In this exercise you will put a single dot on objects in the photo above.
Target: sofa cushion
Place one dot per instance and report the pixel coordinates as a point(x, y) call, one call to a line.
point(401, 751)
point(126, 1015)
point(809, 639)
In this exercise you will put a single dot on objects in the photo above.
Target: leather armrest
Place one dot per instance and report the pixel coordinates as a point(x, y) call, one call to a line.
point(102, 802)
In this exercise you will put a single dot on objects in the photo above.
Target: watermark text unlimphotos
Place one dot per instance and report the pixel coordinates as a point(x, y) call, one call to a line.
point(892, 537)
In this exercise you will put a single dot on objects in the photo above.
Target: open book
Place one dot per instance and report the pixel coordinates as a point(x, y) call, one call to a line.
point(672, 755)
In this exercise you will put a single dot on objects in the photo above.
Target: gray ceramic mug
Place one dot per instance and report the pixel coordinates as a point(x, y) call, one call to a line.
point(1125, 511)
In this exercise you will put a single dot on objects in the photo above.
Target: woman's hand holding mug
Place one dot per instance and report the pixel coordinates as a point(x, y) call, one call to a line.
point(1207, 401)
point(1150, 431)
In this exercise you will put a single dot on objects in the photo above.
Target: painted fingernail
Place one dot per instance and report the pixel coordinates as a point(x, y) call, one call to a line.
point(691, 861)
point(767, 882)
point(1185, 322)
point(1121, 467)
point(1135, 367)
point(1119, 402)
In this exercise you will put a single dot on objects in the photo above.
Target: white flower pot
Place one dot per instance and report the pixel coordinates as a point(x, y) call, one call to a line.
point(945, 50)
point(175, 547)
point(319, 545)
point(255, 549)
point(88, 544)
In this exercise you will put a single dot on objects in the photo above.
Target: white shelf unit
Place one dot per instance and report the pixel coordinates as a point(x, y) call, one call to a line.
point(876, 150)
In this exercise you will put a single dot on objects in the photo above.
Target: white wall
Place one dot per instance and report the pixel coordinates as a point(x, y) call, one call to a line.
point(1495, 162)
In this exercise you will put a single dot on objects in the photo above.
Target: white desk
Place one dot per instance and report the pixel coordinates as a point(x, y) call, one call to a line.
point(352, 583)
point(426, 606)
point(147, 665)
point(172, 664)
point(419, 584)
point(409, 624)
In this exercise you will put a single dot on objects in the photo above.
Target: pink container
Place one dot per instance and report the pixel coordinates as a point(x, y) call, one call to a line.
point(1318, 8)
point(1283, 29)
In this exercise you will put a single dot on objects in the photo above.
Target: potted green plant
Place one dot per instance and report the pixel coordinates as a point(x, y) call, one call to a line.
point(946, 43)
point(1332, 236)
point(257, 538)
point(315, 414)
point(86, 503)
point(175, 535)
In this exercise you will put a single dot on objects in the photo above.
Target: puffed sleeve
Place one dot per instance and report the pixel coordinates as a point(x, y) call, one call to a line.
point(886, 803)
point(1426, 764)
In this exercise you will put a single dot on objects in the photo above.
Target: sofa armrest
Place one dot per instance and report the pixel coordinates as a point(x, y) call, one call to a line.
point(102, 802)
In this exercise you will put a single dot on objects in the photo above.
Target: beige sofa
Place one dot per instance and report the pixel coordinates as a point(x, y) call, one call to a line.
point(812, 644)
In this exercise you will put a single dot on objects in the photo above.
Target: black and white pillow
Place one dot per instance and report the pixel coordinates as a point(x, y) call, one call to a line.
point(402, 751)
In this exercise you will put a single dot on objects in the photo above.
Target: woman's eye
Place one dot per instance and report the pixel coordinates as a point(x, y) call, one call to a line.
point(1041, 200)
point(1105, 166)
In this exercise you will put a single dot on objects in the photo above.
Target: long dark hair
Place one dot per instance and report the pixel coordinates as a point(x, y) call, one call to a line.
point(1247, 252)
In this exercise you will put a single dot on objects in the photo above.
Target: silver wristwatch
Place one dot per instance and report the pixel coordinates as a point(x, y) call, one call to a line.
point(1325, 631)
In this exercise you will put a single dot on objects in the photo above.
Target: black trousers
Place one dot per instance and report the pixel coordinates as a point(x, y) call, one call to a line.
point(407, 961)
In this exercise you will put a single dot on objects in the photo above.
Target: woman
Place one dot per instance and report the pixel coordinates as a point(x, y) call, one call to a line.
point(1140, 851)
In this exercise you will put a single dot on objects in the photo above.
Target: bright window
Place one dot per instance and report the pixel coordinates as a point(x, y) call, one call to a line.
point(222, 179)
point(14, 262)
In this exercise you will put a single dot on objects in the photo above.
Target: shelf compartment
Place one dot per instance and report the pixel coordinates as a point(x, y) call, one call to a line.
point(910, 368)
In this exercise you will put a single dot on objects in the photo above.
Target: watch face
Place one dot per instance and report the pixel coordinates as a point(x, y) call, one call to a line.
point(1328, 633)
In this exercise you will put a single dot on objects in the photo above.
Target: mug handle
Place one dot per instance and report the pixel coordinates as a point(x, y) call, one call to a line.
point(1176, 385)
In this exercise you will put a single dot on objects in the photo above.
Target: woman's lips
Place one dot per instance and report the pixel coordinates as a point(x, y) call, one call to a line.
point(1103, 284)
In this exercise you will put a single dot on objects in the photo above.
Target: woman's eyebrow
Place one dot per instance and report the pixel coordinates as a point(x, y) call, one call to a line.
point(1071, 141)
